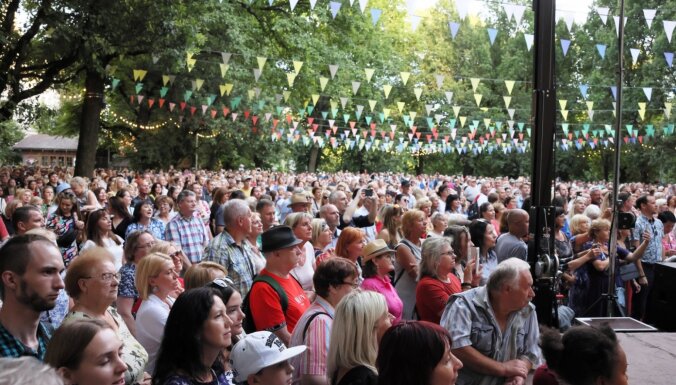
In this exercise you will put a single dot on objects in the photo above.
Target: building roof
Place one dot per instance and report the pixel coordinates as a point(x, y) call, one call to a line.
point(47, 142)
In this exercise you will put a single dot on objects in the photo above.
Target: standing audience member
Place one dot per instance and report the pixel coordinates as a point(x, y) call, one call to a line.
point(378, 264)
point(27, 370)
point(186, 229)
point(360, 321)
point(512, 244)
point(128, 300)
point(121, 218)
point(282, 254)
point(66, 223)
point(254, 238)
point(93, 283)
point(100, 233)
point(494, 327)
point(165, 209)
point(350, 246)
point(26, 218)
point(30, 282)
point(391, 219)
point(669, 239)
point(262, 358)
point(321, 237)
point(407, 260)
point(646, 222)
point(143, 220)
point(87, 352)
point(333, 279)
point(416, 353)
point(483, 236)
point(301, 224)
point(330, 214)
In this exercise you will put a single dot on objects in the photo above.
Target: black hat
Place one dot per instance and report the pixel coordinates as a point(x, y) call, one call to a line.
point(278, 237)
point(405, 182)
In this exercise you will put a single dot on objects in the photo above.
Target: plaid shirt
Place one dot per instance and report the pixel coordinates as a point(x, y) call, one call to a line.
point(653, 253)
point(190, 233)
point(11, 347)
point(237, 260)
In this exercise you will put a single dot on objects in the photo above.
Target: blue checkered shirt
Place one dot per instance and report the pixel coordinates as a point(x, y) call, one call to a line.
point(653, 253)
point(236, 259)
point(12, 347)
point(190, 233)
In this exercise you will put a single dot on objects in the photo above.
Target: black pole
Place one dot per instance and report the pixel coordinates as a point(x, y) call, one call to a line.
point(544, 101)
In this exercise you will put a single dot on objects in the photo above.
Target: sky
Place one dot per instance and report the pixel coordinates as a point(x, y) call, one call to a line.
point(577, 7)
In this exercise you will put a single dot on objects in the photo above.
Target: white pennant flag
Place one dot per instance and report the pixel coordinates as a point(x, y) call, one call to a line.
point(569, 19)
point(634, 55)
point(509, 10)
point(649, 15)
point(603, 14)
point(292, 4)
point(648, 91)
point(529, 40)
point(518, 13)
point(669, 28)
point(362, 5)
point(462, 6)
point(617, 24)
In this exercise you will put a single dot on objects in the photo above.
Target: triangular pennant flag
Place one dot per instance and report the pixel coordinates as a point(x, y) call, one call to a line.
point(343, 102)
point(583, 90)
point(386, 89)
point(418, 92)
point(257, 74)
point(335, 7)
point(669, 57)
point(286, 95)
point(312, 4)
point(564, 46)
point(400, 106)
point(492, 33)
point(226, 57)
point(333, 68)
point(510, 86)
point(563, 103)
point(224, 69)
point(590, 105)
point(508, 100)
point(369, 74)
point(510, 112)
point(261, 62)
point(453, 26)
point(355, 87)
point(290, 78)
point(415, 21)
point(292, 4)
point(617, 24)
point(569, 19)
point(601, 49)
point(440, 80)
point(509, 10)
point(634, 55)
point(404, 77)
point(372, 104)
point(475, 83)
point(477, 99)
point(529, 40)
point(564, 113)
point(613, 91)
point(669, 28)
point(140, 98)
point(518, 12)
point(449, 96)
point(648, 91)
point(323, 82)
point(362, 5)
point(375, 15)
point(115, 83)
point(165, 80)
point(297, 65)
point(456, 111)
point(649, 15)
point(603, 14)
point(462, 7)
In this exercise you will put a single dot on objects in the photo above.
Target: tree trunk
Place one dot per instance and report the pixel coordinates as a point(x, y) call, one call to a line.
point(90, 124)
point(314, 158)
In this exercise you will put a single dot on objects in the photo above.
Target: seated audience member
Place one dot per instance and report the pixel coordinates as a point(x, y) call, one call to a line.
point(87, 352)
point(27, 370)
point(262, 358)
point(583, 356)
point(472, 317)
point(416, 352)
point(333, 279)
point(93, 284)
point(378, 264)
point(360, 322)
point(196, 333)
point(30, 282)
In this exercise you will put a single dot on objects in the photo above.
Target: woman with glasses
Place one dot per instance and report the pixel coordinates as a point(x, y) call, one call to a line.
point(128, 300)
point(143, 220)
point(92, 282)
point(66, 223)
point(176, 254)
point(157, 285)
point(165, 209)
point(100, 233)
point(438, 279)
point(378, 264)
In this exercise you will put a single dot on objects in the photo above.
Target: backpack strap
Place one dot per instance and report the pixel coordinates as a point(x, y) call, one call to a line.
point(309, 321)
point(283, 299)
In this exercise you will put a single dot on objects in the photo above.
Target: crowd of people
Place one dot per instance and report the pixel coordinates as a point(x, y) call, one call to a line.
point(261, 277)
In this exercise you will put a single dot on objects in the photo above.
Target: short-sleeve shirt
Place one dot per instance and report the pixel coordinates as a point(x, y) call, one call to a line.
point(431, 296)
point(509, 246)
point(384, 287)
point(238, 260)
point(266, 307)
point(190, 233)
point(653, 253)
point(155, 227)
point(12, 347)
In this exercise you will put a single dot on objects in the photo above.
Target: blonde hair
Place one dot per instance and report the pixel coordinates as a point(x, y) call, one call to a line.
point(353, 337)
point(163, 247)
point(408, 220)
point(149, 267)
point(200, 274)
point(596, 226)
point(293, 219)
point(576, 222)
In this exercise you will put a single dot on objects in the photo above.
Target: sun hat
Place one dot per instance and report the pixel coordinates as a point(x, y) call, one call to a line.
point(278, 237)
point(299, 198)
point(374, 249)
point(258, 351)
point(62, 187)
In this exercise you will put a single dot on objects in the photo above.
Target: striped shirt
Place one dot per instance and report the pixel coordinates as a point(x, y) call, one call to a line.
point(317, 337)
point(190, 233)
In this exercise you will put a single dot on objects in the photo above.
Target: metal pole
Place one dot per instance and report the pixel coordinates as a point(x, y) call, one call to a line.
point(612, 249)
point(197, 136)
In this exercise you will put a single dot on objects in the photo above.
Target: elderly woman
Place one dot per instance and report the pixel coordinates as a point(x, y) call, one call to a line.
point(66, 223)
point(128, 299)
point(483, 236)
point(156, 282)
point(407, 259)
point(350, 246)
point(424, 204)
point(321, 236)
point(439, 224)
point(92, 282)
point(333, 280)
point(100, 233)
point(438, 280)
point(391, 231)
point(378, 265)
point(301, 224)
point(361, 320)
point(143, 220)
point(86, 199)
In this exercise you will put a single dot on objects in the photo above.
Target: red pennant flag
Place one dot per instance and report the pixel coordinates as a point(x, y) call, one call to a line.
point(172, 106)
point(274, 123)
point(414, 128)
point(391, 135)
point(192, 110)
point(626, 139)
point(429, 138)
point(162, 102)
point(310, 120)
point(246, 115)
point(373, 131)
point(640, 139)
point(315, 126)
point(254, 129)
point(132, 99)
point(213, 113)
point(417, 134)
point(226, 111)
point(288, 118)
point(446, 138)
point(352, 124)
point(596, 141)
point(183, 104)
point(254, 119)
point(151, 102)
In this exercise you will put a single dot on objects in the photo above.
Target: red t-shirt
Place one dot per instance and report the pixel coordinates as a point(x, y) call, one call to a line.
point(431, 296)
point(266, 307)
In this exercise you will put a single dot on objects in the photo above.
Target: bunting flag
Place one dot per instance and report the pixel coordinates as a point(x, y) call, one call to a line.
point(603, 14)
point(375, 15)
point(634, 55)
point(601, 49)
point(292, 4)
point(369, 74)
point(335, 7)
point(649, 15)
point(564, 46)
point(404, 77)
point(333, 69)
point(454, 27)
point(617, 24)
point(669, 28)
point(529, 40)
point(492, 33)
point(669, 57)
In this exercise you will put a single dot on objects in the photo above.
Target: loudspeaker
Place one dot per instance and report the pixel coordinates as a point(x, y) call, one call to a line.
point(661, 310)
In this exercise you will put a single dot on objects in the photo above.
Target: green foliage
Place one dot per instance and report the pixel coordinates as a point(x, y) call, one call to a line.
point(10, 134)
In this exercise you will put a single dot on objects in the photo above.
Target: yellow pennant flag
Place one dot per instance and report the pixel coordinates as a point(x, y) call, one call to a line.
point(315, 99)
point(297, 65)
point(484, 109)
point(369, 74)
point(224, 69)
point(418, 92)
point(386, 112)
point(251, 94)
point(165, 79)
point(508, 100)
point(400, 106)
point(404, 77)
point(199, 83)
point(590, 105)
point(641, 106)
point(456, 111)
point(261, 62)
point(641, 113)
point(564, 113)
point(463, 120)
point(286, 95)
point(475, 83)
point(563, 103)
point(510, 85)
point(372, 104)
point(413, 114)
point(290, 77)
point(334, 104)
point(191, 64)
point(477, 99)
point(386, 89)
point(487, 122)
point(667, 109)
point(323, 82)
point(223, 89)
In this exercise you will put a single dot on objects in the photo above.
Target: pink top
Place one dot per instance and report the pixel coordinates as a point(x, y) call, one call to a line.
point(384, 287)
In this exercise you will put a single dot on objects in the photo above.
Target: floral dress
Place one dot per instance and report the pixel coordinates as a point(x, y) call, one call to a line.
point(64, 227)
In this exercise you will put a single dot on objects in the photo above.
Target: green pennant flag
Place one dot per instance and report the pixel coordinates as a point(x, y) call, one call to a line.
point(325, 114)
point(116, 82)
point(138, 87)
point(334, 112)
point(310, 109)
point(163, 91)
point(235, 102)
point(187, 95)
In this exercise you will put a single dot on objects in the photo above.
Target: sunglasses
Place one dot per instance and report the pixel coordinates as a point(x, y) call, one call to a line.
point(222, 283)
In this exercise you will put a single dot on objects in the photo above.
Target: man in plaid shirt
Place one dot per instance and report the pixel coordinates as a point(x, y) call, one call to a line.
point(186, 229)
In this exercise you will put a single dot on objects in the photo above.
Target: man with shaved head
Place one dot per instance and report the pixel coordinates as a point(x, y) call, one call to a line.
point(512, 244)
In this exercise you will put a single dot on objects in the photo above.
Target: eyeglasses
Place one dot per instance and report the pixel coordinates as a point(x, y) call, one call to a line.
point(353, 284)
point(222, 282)
point(106, 277)
point(176, 254)
point(145, 246)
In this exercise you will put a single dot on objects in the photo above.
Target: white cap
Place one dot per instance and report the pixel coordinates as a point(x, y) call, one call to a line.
point(258, 351)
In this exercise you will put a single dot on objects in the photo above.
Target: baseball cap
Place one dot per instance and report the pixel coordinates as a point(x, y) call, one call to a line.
point(258, 351)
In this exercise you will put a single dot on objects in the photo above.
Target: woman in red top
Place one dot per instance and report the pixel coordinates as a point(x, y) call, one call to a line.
point(437, 281)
